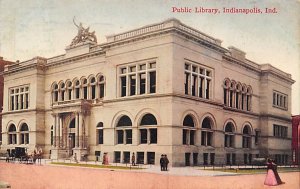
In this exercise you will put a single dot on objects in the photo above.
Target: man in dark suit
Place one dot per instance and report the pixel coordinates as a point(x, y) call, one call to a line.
point(162, 162)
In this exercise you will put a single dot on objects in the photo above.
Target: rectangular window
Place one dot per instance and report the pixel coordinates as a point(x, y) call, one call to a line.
point(141, 79)
point(212, 158)
point(186, 84)
point(85, 92)
point(140, 157)
point(205, 158)
point(209, 139)
point(197, 80)
point(153, 136)
point(120, 137)
point(184, 138)
point(195, 159)
point(129, 136)
point(207, 89)
point(151, 158)
point(93, 92)
point(100, 136)
point(77, 93)
point(152, 82)
point(192, 137)
point(143, 134)
point(280, 100)
point(233, 159)
point(123, 86)
point(142, 83)
point(132, 79)
point(280, 131)
point(194, 82)
point(201, 87)
point(203, 138)
point(18, 98)
point(126, 157)
point(117, 157)
point(102, 90)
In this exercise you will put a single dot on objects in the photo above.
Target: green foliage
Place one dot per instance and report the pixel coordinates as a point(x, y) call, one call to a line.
point(95, 166)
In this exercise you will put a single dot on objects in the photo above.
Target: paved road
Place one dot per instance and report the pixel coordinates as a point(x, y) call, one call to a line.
point(22, 176)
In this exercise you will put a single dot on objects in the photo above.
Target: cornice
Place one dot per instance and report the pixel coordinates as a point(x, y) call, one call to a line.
point(75, 59)
point(241, 63)
point(20, 69)
point(288, 119)
point(38, 110)
point(271, 72)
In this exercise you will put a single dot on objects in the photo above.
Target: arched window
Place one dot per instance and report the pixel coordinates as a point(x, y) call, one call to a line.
point(62, 92)
point(188, 121)
point(24, 132)
point(69, 90)
point(55, 93)
point(148, 119)
point(72, 124)
point(12, 134)
point(101, 84)
point(226, 91)
point(232, 94)
point(188, 131)
point(93, 88)
point(124, 130)
point(247, 137)
point(238, 95)
point(99, 133)
point(85, 88)
point(243, 97)
point(229, 135)
point(206, 133)
point(148, 134)
point(77, 89)
point(248, 98)
point(51, 135)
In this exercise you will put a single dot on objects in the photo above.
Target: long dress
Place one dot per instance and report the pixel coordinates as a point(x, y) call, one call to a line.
point(272, 178)
point(276, 174)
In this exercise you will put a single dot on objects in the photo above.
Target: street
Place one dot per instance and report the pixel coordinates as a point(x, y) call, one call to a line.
point(22, 176)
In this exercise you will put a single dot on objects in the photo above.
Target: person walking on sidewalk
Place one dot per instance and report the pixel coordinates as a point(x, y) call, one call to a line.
point(133, 159)
point(166, 162)
point(162, 162)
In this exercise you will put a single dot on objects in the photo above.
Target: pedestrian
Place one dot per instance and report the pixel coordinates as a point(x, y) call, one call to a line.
point(133, 159)
point(166, 162)
point(162, 162)
point(272, 177)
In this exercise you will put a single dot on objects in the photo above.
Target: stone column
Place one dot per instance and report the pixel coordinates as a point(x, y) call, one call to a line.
point(60, 132)
point(57, 131)
point(80, 133)
point(54, 129)
point(76, 129)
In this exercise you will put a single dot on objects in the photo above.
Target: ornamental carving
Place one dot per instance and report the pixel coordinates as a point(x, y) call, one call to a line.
point(83, 35)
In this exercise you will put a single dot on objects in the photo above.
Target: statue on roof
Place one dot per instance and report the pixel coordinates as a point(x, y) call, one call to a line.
point(83, 35)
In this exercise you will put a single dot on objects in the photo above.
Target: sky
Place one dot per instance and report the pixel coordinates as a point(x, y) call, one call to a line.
point(44, 28)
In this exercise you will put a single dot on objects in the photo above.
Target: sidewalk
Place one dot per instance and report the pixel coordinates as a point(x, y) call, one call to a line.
point(180, 171)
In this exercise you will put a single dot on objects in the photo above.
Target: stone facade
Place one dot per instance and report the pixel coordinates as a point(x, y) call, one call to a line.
point(296, 139)
point(164, 88)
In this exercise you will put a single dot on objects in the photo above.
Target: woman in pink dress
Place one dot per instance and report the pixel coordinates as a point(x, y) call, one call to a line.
point(272, 178)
